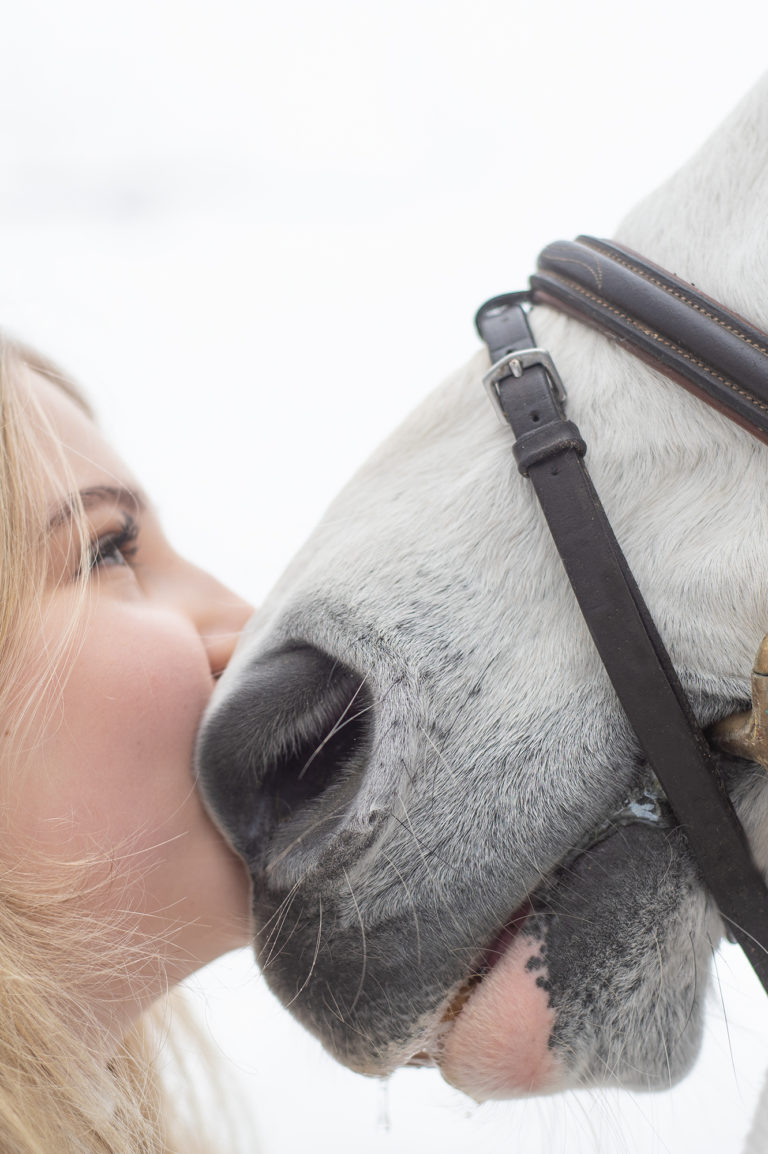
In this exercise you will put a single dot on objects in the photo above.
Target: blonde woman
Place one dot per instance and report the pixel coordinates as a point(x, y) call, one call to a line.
point(114, 884)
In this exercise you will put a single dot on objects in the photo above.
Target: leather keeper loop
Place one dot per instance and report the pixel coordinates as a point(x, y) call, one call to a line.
point(553, 438)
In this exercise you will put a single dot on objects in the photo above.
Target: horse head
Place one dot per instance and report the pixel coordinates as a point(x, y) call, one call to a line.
point(459, 854)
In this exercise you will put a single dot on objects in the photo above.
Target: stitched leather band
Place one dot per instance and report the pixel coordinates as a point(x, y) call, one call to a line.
point(711, 351)
point(626, 637)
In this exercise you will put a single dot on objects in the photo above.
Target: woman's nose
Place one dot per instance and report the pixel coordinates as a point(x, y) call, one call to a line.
point(220, 641)
point(219, 615)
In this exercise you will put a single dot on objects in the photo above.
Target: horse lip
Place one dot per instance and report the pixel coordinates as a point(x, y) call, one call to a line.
point(487, 960)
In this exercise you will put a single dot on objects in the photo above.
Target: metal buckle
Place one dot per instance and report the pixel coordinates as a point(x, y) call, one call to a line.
point(746, 734)
point(514, 365)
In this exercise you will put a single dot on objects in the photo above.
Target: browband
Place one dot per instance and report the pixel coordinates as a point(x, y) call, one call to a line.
point(710, 350)
point(723, 359)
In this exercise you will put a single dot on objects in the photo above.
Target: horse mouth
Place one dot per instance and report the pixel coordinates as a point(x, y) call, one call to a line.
point(488, 960)
point(479, 971)
point(492, 1039)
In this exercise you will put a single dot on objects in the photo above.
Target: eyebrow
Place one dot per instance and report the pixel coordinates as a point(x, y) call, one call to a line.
point(129, 499)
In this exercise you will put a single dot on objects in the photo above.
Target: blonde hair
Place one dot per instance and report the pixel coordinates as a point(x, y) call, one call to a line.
point(57, 1091)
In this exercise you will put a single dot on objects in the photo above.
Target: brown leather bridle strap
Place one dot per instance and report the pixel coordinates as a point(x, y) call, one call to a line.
point(711, 351)
point(550, 451)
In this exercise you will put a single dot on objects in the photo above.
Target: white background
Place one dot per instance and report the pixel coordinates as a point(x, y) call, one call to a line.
point(258, 233)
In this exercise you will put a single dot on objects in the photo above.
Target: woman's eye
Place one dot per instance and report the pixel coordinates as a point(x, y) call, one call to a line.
point(117, 547)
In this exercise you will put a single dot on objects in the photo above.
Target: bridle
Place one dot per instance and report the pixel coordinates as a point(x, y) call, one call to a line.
point(723, 360)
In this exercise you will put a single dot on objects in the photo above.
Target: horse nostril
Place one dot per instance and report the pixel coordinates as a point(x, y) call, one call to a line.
point(294, 728)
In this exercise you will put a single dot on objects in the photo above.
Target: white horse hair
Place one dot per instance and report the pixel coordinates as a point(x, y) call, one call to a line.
point(416, 742)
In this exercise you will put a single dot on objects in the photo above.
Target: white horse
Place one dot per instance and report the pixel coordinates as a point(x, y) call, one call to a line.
point(417, 749)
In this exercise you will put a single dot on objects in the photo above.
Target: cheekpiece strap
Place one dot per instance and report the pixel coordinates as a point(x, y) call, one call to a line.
point(527, 391)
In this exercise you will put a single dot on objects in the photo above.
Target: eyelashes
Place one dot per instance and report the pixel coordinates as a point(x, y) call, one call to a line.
point(117, 547)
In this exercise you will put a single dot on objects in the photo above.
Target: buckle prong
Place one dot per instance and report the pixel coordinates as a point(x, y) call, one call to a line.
point(514, 364)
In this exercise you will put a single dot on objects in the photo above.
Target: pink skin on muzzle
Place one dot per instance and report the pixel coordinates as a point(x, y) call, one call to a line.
point(498, 1046)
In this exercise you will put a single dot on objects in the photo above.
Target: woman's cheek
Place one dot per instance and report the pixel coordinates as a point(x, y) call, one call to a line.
point(112, 766)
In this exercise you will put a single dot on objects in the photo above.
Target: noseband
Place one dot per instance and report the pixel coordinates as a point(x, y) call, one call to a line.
point(723, 360)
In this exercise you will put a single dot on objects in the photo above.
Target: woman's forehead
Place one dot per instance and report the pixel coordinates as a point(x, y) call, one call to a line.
point(91, 461)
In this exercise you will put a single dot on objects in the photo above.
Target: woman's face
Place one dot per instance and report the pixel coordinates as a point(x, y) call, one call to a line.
point(107, 773)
